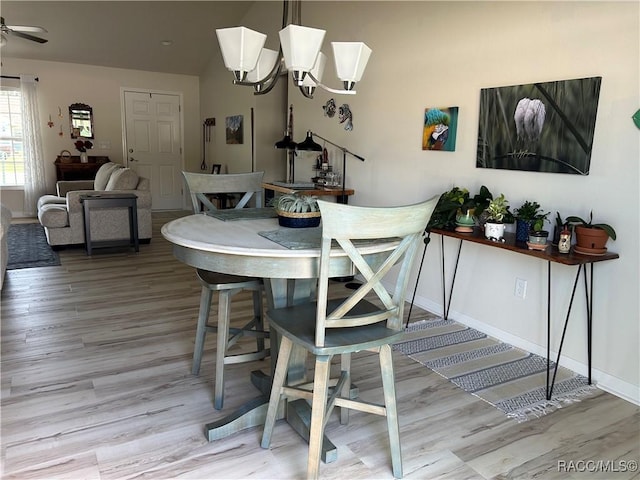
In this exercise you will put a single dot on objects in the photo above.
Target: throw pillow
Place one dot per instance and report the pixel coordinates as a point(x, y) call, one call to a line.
point(103, 174)
point(123, 179)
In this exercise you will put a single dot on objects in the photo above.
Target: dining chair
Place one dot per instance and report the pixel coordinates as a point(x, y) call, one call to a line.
point(201, 187)
point(328, 327)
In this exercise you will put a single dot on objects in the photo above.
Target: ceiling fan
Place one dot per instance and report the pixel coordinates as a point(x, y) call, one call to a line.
point(21, 31)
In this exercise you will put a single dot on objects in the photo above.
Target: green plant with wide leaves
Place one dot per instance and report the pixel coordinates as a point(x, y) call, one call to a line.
point(574, 220)
point(444, 215)
point(531, 212)
point(497, 209)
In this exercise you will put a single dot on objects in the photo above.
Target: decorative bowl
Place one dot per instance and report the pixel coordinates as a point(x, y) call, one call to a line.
point(298, 220)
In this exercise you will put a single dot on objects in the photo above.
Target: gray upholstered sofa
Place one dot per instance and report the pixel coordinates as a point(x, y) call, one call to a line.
point(62, 215)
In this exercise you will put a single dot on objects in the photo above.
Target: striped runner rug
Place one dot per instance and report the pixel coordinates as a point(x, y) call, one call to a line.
point(510, 379)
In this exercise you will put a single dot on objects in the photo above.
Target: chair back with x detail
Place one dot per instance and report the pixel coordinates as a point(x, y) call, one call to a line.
point(201, 186)
point(370, 318)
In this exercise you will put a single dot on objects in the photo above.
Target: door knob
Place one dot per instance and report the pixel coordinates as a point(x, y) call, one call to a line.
point(132, 159)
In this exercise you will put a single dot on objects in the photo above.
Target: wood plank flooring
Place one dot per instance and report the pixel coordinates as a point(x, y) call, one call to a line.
point(96, 384)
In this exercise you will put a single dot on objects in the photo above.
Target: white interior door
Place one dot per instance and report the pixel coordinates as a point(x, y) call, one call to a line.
point(154, 144)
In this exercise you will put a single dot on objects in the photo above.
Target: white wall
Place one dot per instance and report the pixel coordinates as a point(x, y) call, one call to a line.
point(62, 84)
point(433, 54)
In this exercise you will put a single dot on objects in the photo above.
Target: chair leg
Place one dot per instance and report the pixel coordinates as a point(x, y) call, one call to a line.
point(201, 330)
point(224, 312)
point(258, 315)
point(389, 388)
point(345, 365)
point(279, 377)
point(318, 414)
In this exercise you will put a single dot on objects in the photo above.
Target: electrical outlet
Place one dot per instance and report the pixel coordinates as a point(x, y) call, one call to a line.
point(521, 288)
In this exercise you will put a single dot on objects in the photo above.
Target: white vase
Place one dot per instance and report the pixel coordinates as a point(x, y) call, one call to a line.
point(84, 158)
point(494, 231)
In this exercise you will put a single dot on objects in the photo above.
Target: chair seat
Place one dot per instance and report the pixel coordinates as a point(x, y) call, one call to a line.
point(222, 281)
point(298, 323)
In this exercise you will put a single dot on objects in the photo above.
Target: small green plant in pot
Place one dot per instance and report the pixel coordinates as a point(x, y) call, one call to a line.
point(529, 217)
point(591, 238)
point(495, 214)
point(296, 210)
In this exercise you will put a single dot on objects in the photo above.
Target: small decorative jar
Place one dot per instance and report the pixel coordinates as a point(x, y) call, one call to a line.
point(84, 158)
point(564, 244)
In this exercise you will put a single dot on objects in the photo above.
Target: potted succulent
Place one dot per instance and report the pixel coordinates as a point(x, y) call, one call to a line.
point(537, 238)
point(495, 214)
point(529, 217)
point(297, 211)
point(591, 238)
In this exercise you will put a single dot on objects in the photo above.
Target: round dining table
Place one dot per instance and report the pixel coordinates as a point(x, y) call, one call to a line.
point(252, 243)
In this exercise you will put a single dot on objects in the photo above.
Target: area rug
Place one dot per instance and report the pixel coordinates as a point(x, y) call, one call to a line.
point(28, 247)
point(510, 379)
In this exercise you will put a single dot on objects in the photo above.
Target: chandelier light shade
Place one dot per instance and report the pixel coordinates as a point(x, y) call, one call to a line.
point(266, 62)
point(351, 59)
point(299, 53)
point(240, 48)
point(308, 84)
point(300, 47)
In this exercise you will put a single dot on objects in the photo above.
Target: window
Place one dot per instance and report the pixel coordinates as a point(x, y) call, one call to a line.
point(11, 145)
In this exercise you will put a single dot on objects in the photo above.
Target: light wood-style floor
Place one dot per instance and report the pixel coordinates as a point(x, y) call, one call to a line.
point(96, 384)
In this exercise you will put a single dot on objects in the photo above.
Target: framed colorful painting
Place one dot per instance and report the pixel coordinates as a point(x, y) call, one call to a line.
point(439, 130)
point(539, 127)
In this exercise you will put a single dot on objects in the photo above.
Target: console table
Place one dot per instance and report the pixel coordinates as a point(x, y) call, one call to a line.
point(341, 196)
point(74, 170)
point(111, 200)
point(551, 255)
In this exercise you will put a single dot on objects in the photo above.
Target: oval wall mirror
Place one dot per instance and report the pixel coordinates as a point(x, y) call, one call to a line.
point(81, 120)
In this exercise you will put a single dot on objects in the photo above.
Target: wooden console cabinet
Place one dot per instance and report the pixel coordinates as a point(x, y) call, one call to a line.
point(79, 171)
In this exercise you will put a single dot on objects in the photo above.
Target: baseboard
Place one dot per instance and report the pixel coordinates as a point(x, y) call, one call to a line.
point(604, 381)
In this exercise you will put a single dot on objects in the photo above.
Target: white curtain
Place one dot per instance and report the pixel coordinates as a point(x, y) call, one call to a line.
point(35, 184)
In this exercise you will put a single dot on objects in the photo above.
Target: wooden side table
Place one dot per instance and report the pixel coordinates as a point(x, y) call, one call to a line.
point(74, 170)
point(111, 200)
point(341, 196)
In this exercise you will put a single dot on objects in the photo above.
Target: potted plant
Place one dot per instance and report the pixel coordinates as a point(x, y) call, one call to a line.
point(591, 238)
point(495, 214)
point(82, 146)
point(446, 211)
point(529, 217)
point(537, 238)
point(297, 211)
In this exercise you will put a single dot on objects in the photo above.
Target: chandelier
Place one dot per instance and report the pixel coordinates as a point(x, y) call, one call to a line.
point(258, 67)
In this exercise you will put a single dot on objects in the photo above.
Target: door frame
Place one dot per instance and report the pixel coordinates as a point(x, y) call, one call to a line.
point(125, 154)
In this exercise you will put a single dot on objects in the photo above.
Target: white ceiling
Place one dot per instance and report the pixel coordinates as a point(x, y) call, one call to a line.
point(123, 34)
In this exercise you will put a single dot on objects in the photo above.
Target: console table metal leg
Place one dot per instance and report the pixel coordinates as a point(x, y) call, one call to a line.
point(447, 305)
point(589, 299)
point(564, 329)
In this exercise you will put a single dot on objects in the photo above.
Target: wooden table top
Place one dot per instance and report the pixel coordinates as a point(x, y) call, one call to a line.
point(318, 192)
point(551, 253)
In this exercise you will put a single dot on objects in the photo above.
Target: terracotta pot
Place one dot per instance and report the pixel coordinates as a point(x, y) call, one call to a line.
point(591, 238)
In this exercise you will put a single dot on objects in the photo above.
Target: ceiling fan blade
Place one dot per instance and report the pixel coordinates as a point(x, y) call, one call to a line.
point(26, 28)
point(29, 37)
